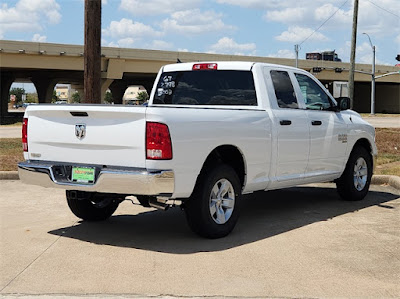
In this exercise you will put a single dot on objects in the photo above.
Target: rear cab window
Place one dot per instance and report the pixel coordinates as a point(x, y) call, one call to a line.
point(284, 91)
point(206, 87)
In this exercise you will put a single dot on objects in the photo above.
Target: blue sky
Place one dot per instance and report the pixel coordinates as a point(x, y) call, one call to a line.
point(252, 27)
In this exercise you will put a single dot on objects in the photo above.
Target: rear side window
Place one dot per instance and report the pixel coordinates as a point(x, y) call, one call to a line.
point(207, 87)
point(284, 90)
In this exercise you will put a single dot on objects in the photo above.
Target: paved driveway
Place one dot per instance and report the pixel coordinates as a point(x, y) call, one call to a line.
point(383, 122)
point(10, 132)
point(300, 242)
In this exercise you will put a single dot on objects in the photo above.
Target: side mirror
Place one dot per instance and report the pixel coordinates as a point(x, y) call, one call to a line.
point(343, 103)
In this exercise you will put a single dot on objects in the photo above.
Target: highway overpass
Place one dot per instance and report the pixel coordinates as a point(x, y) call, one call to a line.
point(46, 64)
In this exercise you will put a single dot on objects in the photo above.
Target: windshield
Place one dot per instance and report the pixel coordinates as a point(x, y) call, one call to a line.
point(207, 87)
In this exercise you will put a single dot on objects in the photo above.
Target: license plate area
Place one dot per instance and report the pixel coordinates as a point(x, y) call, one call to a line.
point(83, 175)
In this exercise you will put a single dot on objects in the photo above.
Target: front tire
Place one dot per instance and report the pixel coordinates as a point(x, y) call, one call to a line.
point(354, 183)
point(90, 206)
point(213, 209)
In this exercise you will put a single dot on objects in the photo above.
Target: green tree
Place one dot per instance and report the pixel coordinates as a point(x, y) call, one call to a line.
point(108, 97)
point(18, 92)
point(54, 97)
point(142, 96)
point(76, 98)
point(32, 98)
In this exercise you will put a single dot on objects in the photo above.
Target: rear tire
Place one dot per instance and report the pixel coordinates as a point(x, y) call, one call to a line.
point(90, 206)
point(354, 183)
point(213, 209)
point(144, 200)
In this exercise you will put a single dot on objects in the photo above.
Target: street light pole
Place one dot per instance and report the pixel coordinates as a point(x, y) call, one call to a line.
point(296, 49)
point(373, 82)
point(372, 77)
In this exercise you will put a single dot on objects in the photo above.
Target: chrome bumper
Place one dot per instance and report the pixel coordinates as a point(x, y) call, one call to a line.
point(130, 181)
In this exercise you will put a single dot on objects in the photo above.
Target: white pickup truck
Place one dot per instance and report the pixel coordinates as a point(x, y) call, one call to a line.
point(211, 132)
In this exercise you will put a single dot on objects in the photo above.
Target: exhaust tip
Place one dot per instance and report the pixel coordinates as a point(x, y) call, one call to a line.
point(158, 205)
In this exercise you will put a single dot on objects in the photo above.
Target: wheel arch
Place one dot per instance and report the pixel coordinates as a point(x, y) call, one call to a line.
point(230, 155)
point(365, 143)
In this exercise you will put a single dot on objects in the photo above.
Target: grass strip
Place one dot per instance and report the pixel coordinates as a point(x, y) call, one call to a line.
point(10, 153)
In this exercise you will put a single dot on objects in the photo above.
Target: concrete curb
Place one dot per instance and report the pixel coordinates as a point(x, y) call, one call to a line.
point(391, 180)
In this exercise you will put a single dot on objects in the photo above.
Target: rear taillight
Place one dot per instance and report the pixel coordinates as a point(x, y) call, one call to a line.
point(25, 135)
point(204, 66)
point(158, 142)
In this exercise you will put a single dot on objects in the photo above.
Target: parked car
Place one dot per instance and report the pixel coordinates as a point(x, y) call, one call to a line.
point(27, 104)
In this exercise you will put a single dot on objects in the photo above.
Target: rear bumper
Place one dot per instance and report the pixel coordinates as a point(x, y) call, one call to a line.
point(130, 181)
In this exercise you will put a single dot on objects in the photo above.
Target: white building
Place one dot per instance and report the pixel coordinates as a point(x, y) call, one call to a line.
point(62, 92)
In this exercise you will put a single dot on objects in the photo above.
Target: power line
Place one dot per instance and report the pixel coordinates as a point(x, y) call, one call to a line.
point(324, 23)
point(384, 9)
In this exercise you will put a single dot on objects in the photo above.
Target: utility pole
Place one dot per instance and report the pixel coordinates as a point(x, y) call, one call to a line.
point(296, 49)
point(353, 54)
point(92, 52)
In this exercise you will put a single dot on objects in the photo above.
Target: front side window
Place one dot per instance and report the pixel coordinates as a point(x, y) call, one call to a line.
point(314, 96)
point(208, 87)
point(284, 90)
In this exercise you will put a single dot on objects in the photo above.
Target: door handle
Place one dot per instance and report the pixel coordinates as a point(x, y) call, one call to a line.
point(316, 122)
point(285, 122)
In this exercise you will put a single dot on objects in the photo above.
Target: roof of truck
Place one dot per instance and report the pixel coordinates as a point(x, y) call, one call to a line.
point(221, 65)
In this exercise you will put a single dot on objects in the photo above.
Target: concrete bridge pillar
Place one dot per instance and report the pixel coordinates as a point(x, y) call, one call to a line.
point(6, 80)
point(44, 88)
point(105, 84)
point(118, 88)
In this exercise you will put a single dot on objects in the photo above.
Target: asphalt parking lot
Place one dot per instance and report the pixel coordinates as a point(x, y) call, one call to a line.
point(299, 242)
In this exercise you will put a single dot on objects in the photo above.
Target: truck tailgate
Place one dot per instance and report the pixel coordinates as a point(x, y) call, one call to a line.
point(114, 135)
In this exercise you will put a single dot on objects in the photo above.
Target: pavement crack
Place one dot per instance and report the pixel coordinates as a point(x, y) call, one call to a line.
point(44, 251)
